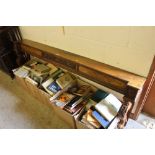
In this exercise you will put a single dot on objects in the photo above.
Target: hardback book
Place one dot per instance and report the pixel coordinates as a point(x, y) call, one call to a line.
point(90, 104)
point(54, 87)
point(100, 119)
point(77, 108)
point(73, 101)
point(76, 103)
point(64, 80)
point(52, 68)
point(21, 72)
point(38, 77)
point(51, 86)
point(92, 120)
point(99, 95)
point(30, 64)
point(41, 68)
point(84, 121)
point(109, 107)
point(82, 90)
point(58, 73)
point(63, 99)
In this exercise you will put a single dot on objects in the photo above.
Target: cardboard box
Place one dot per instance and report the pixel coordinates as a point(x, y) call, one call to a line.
point(65, 116)
point(21, 82)
point(39, 94)
point(32, 89)
point(44, 97)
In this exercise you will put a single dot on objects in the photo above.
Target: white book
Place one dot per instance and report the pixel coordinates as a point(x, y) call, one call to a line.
point(108, 107)
point(21, 72)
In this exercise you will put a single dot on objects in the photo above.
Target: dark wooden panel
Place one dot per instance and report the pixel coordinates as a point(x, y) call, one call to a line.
point(134, 80)
point(105, 79)
point(59, 60)
point(33, 51)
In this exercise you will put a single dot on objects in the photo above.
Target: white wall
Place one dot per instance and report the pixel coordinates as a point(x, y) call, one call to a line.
point(129, 48)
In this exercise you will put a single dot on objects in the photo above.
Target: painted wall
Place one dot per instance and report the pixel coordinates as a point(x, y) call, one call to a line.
point(129, 48)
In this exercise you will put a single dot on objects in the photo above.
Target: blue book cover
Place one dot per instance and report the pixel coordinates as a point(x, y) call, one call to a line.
point(100, 119)
point(54, 87)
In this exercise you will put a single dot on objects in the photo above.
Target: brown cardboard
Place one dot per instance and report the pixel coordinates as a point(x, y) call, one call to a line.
point(44, 97)
point(39, 94)
point(32, 89)
point(65, 116)
point(21, 81)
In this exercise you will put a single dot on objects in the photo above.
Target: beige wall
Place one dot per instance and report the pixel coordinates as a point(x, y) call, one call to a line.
point(129, 48)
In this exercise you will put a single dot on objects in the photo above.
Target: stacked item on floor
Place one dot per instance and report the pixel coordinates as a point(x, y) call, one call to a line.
point(35, 71)
point(32, 74)
point(70, 96)
point(38, 71)
point(74, 99)
point(71, 100)
point(100, 111)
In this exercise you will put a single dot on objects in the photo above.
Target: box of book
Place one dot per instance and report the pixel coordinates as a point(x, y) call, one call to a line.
point(65, 116)
point(44, 97)
point(70, 102)
point(32, 87)
point(20, 75)
point(100, 112)
point(21, 81)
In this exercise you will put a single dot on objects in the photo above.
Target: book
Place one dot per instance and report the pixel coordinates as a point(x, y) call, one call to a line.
point(30, 64)
point(92, 120)
point(99, 95)
point(57, 74)
point(21, 72)
point(82, 90)
point(64, 80)
point(84, 121)
point(54, 87)
point(41, 68)
point(61, 91)
point(51, 86)
point(90, 104)
point(63, 99)
point(52, 68)
point(109, 107)
point(100, 119)
point(77, 108)
point(38, 77)
point(75, 99)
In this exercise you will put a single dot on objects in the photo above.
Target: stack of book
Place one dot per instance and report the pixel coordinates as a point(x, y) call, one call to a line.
point(57, 82)
point(74, 99)
point(38, 71)
point(101, 109)
point(21, 72)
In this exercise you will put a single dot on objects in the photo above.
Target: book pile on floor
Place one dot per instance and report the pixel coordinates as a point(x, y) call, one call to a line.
point(67, 93)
